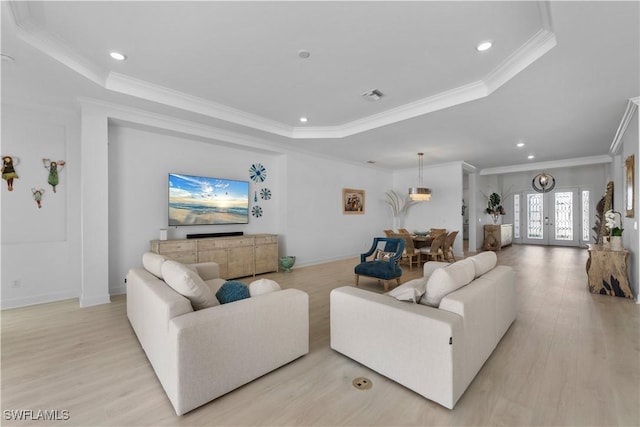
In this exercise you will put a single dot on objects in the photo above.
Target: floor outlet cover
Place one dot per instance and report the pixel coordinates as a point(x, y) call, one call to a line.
point(362, 383)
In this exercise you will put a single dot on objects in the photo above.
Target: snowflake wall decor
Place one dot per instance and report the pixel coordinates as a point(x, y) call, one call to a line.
point(257, 172)
point(265, 194)
point(256, 211)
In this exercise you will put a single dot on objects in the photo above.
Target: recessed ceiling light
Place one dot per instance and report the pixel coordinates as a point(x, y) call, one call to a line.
point(118, 56)
point(520, 144)
point(303, 120)
point(371, 162)
point(484, 46)
point(304, 54)
point(531, 156)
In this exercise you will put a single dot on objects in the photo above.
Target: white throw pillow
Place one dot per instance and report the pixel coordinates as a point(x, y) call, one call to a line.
point(410, 291)
point(443, 281)
point(262, 286)
point(152, 262)
point(187, 283)
point(431, 266)
point(483, 262)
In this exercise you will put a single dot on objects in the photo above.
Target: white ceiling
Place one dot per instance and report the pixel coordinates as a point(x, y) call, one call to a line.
point(558, 76)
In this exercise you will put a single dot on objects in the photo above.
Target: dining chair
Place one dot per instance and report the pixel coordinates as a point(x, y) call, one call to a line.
point(435, 231)
point(448, 246)
point(410, 255)
point(388, 233)
point(403, 231)
point(435, 251)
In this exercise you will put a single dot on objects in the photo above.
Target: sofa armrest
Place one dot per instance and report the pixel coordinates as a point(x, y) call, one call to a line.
point(418, 346)
point(221, 348)
point(207, 270)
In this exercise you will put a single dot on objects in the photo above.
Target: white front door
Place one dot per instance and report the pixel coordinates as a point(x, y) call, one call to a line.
point(552, 218)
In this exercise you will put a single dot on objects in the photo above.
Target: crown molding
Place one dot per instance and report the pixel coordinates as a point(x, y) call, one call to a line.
point(151, 92)
point(542, 42)
point(632, 106)
point(140, 119)
point(533, 49)
point(553, 164)
point(32, 33)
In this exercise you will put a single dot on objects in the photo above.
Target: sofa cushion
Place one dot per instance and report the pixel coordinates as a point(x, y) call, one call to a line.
point(483, 262)
point(431, 266)
point(445, 280)
point(410, 291)
point(263, 286)
point(187, 283)
point(152, 262)
point(232, 291)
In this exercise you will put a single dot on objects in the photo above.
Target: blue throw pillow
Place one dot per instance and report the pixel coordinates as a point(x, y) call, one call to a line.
point(232, 291)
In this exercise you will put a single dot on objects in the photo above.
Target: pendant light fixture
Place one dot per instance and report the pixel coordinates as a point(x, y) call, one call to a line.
point(420, 193)
point(543, 182)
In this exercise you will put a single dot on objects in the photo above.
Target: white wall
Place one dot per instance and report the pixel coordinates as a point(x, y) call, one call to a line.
point(40, 247)
point(139, 163)
point(444, 210)
point(316, 229)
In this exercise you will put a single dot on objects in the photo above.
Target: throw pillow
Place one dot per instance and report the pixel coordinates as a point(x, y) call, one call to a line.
point(187, 283)
point(262, 286)
point(410, 291)
point(152, 262)
point(381, 255)
point(443, 281)
point(483, 262)
point(232, 291)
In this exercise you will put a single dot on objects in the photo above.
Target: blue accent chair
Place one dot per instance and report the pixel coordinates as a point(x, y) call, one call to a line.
point(383, 270)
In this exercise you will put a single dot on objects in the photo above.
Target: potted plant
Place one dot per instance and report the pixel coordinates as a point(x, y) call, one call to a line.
point(399, 206)
point(615, 231)
point(494, 208)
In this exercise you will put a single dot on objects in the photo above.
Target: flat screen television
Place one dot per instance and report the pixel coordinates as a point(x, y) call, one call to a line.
point(200, 200)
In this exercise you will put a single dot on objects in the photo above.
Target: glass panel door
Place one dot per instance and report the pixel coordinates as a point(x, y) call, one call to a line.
point(551, 218)
point(565, 218)
point(534, 219)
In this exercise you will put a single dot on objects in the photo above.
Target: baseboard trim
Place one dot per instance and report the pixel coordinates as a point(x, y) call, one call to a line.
point(37, 299)
point(94, 300)
point(119, 290)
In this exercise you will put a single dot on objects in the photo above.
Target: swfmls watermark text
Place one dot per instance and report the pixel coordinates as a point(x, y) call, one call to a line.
point(36, 414)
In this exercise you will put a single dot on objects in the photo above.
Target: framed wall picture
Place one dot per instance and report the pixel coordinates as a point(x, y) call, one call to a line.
point(629, 186)
point(352, 201)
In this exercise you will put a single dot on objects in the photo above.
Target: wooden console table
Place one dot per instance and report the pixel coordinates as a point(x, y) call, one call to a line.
point(497, 236)
point(607, 272)
point(237, 256)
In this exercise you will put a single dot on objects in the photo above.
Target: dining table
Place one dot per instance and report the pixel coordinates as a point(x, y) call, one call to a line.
point(421, 240)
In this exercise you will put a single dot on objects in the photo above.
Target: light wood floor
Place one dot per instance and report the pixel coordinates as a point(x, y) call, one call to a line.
point(570, 358)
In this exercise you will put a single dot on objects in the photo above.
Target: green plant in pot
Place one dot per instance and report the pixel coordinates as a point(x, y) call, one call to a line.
point(494, 208)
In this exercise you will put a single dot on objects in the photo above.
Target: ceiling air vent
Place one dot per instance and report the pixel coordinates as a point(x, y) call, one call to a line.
point(373, 95)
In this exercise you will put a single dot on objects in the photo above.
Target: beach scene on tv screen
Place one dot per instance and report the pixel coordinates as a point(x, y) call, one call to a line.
point(197, 200)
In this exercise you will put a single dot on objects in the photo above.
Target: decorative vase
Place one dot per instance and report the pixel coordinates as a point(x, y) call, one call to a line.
point(616, 243)
point(286, 262)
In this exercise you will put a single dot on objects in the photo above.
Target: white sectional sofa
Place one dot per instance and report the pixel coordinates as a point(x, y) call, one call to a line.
point(437, 346)
point(200, 355)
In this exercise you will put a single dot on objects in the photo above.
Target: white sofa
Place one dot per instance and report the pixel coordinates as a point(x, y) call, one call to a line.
point(434, 351)
point(200, 355)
